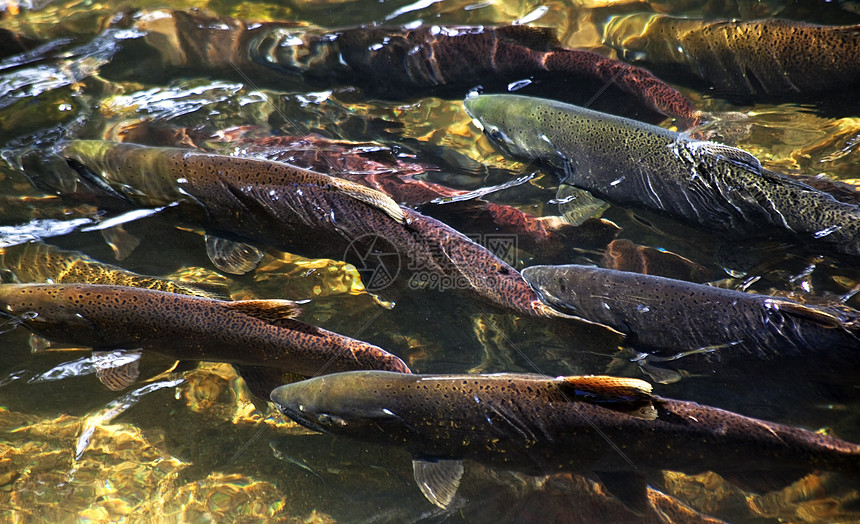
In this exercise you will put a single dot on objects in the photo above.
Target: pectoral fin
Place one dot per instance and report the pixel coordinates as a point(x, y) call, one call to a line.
point(438, 480)
point(736, 156)
point(117, 369)
point(578, 205)
point(120, 241)
point(38, 344)
point(629, 487)
point(236, 258)
point(372, 197)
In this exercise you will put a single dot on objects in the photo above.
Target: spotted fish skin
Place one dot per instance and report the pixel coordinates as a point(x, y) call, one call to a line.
point(668, 315)
point(633, 164)
point(187, 328)
point(396, 179)
point(538, 425)
point(299, 211)
point(401, 63)
point(404, 60)
point(755, 57)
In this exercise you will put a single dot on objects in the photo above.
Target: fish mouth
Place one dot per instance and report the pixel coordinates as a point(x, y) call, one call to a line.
point(299, 418)
point(289, 406)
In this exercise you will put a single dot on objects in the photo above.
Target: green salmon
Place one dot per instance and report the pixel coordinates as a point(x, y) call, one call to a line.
point(613, 427)
point(632, 164)
point(742, 57)
point(35, 262)
point(667, 316)
point(249, 332)
point(299, 211)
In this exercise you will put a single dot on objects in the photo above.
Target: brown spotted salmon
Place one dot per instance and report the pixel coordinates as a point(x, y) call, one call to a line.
point(300, 211)
point(378, 167)
point(403, 62)
point(249, 332)
point(612, 427)
point(632, 164)
point(743, 57)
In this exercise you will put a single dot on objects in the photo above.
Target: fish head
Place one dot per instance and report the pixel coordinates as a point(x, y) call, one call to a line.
point(39, 308)
point(506, 121)
point(341, 403)
point(557, 286)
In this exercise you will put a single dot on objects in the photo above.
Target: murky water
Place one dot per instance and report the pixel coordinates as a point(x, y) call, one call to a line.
point(185, 442)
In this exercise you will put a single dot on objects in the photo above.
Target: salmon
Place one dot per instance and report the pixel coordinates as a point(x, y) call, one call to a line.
point(612, 427)
point(249, 332)
point(397, 63)
point(304, 212)
point(703, 184)
point(762, 58)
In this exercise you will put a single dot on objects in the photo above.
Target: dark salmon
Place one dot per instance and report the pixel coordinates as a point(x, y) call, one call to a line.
point(299, 211)
point(536, 424)
point(403, 63)
point(632, 164)
point(250, 332)
point(376, 166)
point(743, 57)
point(672, 316)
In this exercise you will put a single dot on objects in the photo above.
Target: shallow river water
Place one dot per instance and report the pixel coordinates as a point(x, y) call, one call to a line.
point(188, 442)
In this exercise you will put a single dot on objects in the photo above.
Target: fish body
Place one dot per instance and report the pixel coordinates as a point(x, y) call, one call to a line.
point(299, 211)
point(259, 333)
point(396, 63)
point(536, 424)
point(407, 60)
point(633, 164)
point(378, 167)
point(668, 315)
point(769, 57)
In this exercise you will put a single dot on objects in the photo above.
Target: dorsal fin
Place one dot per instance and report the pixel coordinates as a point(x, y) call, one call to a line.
point(604, 386)
point(736, 156)
point(372, 197)
point(537, 38)
point(626, 395)
point(271, 311)
point(120, 241)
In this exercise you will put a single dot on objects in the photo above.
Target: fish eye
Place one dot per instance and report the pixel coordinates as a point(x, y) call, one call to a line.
point(497, 136)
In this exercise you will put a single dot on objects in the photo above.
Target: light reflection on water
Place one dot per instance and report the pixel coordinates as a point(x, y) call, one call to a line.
point(189, 444)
